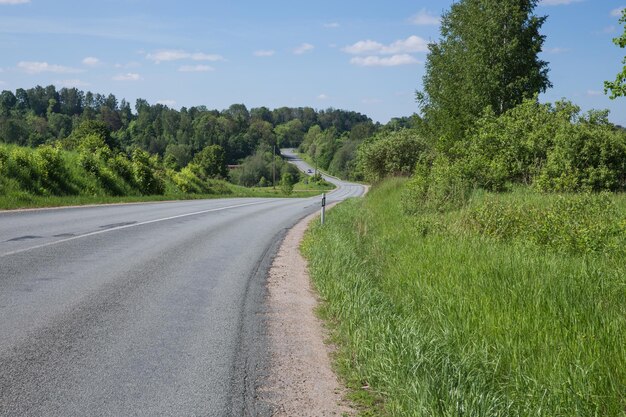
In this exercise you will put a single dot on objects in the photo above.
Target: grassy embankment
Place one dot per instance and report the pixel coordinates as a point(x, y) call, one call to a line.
point(512, 306)
point(49, 177)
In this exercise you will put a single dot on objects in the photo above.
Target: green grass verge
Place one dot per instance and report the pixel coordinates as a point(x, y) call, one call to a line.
point(446, 321)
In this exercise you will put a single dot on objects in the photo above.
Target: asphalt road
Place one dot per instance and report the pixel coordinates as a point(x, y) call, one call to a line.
point(140, 309)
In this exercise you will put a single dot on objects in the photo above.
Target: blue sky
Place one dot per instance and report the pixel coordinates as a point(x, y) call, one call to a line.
point(365, 56)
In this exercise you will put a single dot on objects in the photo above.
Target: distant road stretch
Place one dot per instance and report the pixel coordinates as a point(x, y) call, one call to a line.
point(140, 309)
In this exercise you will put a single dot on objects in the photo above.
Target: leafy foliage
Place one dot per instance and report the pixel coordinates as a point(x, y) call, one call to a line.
point(389, 154)
point(551, 147)
point(487, 57)
point(618, 87)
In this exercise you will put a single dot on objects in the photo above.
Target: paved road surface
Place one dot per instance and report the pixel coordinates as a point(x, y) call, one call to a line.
point(139, 310)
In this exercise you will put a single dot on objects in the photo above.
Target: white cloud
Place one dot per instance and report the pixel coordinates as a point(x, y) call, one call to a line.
point(425, 18)
point(332, 25)
point(179, 54)
point(3, 82)
point(609, 29)
point(403, 46)
point(264, 52)
point(195, 68)
point(594, 93)
point(36, 67)
point(199, 56)
point(557, 2)
point(323, 97)
point(14, 1)
point(91, 61)
point(72, 83)
point(617, 12)
point(371, 101)
point(376, 61)
point(305, 47)
point(131, 76)
point(168, 103)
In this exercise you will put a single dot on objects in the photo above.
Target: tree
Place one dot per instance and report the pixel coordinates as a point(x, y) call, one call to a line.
point(289, 134)
point(212, 162)
point(286, 183)
point(618, 87)
point(487, 57)
point(7, 102)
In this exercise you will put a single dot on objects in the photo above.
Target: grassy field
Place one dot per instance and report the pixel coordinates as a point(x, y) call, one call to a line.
point(477, 312)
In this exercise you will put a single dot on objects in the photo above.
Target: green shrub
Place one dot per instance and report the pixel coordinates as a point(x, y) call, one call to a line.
point(144, 172)
point(390, 154)
point(108, 181)
point(550, 146)
point(26, 167)
point(188, 182)
point(4, 161)
point(589, 156)
point(123, 167)
point(511, 148)
point(56, 178)
point(438, 186)
point(286, 183)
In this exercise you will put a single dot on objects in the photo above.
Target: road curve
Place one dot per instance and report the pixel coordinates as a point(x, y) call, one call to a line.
point(140, 309)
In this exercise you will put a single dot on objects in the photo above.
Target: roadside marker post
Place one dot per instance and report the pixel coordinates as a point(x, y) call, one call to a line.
point(323, 207)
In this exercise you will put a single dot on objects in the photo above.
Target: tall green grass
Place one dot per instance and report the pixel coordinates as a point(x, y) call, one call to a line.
point(437, 318)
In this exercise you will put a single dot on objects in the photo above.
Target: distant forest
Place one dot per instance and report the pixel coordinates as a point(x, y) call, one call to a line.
point(44, 115)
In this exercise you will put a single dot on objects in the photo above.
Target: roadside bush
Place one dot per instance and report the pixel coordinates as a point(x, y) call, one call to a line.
point(589, 156)
point(25, 166)
point(4, 158)
point(123, 167)
point(513, 147)
point(145, 175)
point(550, 146)
point(108, 182)
point(55, 176)
point(390, 154)
point(440, 185)
point(286, 183)
point(188, 182)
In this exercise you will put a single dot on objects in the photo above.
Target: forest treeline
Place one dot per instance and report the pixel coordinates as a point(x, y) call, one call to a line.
point(119, 144)
point(39, 115)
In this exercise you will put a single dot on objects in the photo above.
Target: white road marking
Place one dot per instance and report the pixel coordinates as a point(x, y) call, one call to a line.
point(98, 232)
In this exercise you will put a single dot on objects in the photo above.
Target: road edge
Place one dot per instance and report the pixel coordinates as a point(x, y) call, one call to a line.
point(300, 378)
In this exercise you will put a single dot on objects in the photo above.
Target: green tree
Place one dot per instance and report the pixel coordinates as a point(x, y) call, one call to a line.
point(618, 87)
point(289, 134)
point(7, 102)
point(212, 162)
point(487, 57)
point(286, 183)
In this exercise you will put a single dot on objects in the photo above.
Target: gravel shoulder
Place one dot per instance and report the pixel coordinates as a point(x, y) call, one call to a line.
point(301, 380)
